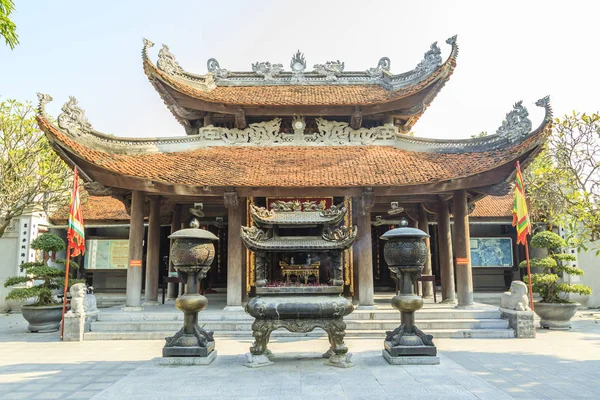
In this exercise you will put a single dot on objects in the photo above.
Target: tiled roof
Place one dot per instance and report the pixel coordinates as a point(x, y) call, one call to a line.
point(307, 95)
point(293, 166)
point(96, 208)
point(494, 207)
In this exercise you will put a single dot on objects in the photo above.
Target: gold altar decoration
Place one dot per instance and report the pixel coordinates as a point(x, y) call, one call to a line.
point(301, 271)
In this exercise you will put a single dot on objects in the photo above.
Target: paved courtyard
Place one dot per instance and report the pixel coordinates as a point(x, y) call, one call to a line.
point(556, 365)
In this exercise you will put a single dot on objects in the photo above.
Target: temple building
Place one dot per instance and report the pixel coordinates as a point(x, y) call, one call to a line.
point(322, 136)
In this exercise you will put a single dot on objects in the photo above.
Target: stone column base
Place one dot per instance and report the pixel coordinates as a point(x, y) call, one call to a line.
point(521, 321)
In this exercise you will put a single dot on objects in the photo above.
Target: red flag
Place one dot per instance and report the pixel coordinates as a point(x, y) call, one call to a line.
point(75, 229)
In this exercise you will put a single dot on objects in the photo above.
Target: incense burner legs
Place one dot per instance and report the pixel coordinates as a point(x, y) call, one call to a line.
point(191, 340)
point(407, 344)
point(325, 312)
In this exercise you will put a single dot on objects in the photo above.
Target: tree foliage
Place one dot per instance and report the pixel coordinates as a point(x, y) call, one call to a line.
point(31, 174)
point(547, 284)
point(8, 29)
point(563, 182)
point(43, 278)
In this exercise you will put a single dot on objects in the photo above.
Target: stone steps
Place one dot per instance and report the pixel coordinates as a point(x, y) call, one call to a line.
point(245, 325)
point(437, 334)
point(439, 320)
point(426, 314)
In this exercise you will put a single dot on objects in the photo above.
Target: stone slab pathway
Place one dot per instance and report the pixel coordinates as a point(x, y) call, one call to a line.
point(555, 365)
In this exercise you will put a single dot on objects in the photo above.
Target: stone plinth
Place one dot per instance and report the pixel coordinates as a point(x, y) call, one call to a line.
point(410, 360)
point(74, 327)
point(521, 321)
point(175, 361)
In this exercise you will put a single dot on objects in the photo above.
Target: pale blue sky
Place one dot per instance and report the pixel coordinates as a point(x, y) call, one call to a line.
point(509, 50)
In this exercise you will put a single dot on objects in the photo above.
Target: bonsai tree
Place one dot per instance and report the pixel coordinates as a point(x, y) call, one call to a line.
point(48, 278)
point(547, 284)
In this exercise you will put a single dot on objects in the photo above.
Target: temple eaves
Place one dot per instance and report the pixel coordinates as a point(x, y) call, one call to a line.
point(515, 129)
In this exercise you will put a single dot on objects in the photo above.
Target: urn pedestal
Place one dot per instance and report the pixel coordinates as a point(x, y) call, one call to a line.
point(192, 252)
point(405, 253)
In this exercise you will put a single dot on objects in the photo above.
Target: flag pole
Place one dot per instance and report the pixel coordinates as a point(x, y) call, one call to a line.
point(529, 274)
point(66, 285)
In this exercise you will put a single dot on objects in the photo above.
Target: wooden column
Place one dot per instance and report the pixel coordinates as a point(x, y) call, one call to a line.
point(173, 288)
point(445, 251)
point(234, 249)
point(136, 242)
point(424, 226)
point(363, 248)
point(464, 277)
point(153, 253)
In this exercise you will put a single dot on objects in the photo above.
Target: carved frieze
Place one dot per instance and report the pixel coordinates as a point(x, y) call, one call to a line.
point(256, 234)
point(97, 189)
point(281, 205)
point(334, 211)
point(72, 119)
point(262, 212)
point(338, 234)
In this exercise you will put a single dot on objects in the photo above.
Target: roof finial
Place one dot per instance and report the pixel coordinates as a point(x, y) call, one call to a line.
point(545, 102)
point(43, 99)
point(147, 45)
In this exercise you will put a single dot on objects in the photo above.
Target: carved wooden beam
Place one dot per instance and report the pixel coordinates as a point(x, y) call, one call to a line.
point(499, 189)
point(356, 120)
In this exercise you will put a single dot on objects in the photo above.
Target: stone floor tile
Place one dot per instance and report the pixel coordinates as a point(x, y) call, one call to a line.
point(50, 395)
point(97, 386)
point(17, 395)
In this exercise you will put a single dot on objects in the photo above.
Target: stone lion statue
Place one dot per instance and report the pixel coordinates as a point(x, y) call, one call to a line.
point(517, 298)
point(78, 295)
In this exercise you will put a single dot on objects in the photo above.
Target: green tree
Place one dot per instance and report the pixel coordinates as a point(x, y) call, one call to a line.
point(547, 284)
point(8, 29)
point(563, 182)
point(31, 174)
point(44, 279)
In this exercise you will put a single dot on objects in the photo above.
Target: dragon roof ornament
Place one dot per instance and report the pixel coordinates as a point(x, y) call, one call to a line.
point(516, 124)
point(384, 64)
point(213, 66)
point(331, 69)
point(73, 120)
point(167, 63)
point(266, 70)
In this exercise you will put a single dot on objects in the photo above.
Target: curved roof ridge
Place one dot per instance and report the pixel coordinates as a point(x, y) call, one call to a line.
point(72, 122)
point(329, 73)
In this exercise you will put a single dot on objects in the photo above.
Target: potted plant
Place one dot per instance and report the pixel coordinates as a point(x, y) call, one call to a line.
point(42, 280)
point(555, 310)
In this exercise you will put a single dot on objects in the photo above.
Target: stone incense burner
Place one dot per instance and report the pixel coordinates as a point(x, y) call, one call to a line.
point(192, 253)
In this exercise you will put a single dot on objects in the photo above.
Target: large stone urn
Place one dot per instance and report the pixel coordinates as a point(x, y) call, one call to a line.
point(556, 315)
point(405, 253)
point(192, 253)
point(42, 318)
